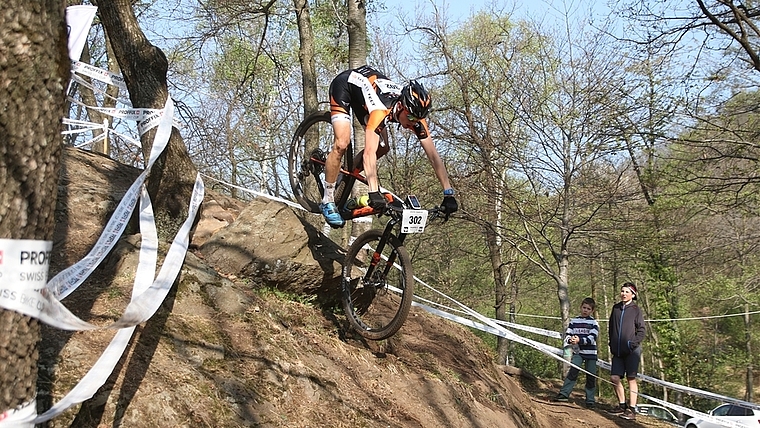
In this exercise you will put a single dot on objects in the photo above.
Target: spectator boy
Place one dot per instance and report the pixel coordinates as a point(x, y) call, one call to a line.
point(626, 332)
point(581, 335)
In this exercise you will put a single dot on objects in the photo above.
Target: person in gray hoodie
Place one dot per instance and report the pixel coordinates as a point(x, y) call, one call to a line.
point(626, 332)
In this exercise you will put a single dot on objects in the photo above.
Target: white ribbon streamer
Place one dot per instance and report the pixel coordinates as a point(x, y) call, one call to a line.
point(147, 294)
point(96, 73)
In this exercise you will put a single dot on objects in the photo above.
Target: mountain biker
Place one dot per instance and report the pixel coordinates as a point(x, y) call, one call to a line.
point(377, 101)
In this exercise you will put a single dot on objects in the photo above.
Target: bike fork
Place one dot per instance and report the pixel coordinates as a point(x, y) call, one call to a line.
point(376, 256)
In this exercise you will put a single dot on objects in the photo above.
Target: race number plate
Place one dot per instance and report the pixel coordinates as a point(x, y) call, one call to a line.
point(414, 221)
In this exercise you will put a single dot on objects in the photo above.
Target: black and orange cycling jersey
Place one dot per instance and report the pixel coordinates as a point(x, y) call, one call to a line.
point(371, 96)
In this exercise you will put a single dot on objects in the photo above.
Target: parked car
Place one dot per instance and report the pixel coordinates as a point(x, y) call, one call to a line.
point(659, 412)
point(730, 412)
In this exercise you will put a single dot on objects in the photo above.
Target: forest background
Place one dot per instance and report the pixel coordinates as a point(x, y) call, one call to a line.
point(587, 149)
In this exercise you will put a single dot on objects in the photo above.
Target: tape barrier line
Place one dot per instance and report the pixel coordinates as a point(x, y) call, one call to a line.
point(69, 279)
point(97, 73)
point(256, 194)
point(146, 118)
point(81, 82)
point(83, 126)
point(147, 293)
point(556, 353)
point(150, 299)
point(491, 326)
point(529, 329)
point(699, 392)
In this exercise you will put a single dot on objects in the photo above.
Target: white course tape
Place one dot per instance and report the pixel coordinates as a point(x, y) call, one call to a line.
point(81, 82)
point(21, 416)
point(78, 20)
point(491, 326)
point(147, 294)
point(529, 329)
point(83, 126)
point(147, 300)
point(98, 74)
point(255, 193)
point(134, 114)
point(24, 267)
point(69, 279)
point(699, 392)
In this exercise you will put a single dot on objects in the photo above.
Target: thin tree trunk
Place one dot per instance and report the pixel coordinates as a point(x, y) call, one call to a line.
point(306, 57)
point(357, 56)
point(34, 66)
point(749, 396)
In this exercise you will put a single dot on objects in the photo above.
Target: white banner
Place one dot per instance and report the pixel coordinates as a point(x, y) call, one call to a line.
point(79, 20)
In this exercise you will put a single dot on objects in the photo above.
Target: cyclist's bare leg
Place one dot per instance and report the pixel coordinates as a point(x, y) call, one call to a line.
point(342, 137)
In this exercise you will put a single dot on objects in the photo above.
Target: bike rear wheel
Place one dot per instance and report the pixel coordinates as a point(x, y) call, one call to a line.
point(313, 138)
point(377, 307)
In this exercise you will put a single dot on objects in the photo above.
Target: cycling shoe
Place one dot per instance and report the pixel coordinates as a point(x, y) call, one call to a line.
point(332, 217)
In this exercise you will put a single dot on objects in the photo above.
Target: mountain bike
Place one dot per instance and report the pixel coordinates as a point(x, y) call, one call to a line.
point(378, 279)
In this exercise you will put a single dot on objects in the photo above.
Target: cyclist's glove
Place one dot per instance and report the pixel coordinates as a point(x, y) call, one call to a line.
point(377, 200)
point(449, 206)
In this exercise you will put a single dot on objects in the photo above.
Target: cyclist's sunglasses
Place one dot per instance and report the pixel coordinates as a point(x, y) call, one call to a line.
point(411, 117)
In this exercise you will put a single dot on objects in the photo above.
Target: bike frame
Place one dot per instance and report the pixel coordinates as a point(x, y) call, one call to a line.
point(347, 177)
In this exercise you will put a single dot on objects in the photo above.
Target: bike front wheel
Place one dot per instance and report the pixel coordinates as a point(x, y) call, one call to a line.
point(377, 305)
point(311, 143)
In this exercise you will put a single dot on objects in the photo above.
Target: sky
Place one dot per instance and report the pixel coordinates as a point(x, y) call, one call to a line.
point(459, 10)
point(546, 13)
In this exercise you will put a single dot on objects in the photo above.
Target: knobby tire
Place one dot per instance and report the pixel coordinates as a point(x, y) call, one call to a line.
point(373, 309)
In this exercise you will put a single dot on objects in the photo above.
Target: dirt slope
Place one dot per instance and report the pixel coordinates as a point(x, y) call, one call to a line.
point(228, 350)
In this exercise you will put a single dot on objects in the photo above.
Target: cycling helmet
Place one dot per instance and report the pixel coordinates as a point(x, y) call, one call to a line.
point(415, 99)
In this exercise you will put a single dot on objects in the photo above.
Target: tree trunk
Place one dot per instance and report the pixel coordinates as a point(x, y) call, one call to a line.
point(144, 67)
point(502, 274)
point(749, 396)
point(34, 67)
point(306, 57)
point(357, 56)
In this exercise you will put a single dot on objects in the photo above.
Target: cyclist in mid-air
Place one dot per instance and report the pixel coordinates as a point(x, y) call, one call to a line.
point(376, 101)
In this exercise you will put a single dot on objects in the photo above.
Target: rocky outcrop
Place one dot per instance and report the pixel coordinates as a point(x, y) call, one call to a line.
point(271, 244)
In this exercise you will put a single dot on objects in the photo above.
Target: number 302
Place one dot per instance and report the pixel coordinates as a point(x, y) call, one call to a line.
point(415, 219)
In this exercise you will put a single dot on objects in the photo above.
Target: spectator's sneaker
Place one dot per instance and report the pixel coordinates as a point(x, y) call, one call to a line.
point(617, 410)
point(560, 399)
point(629, 414)
point(590, 405)
point(332, 217)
